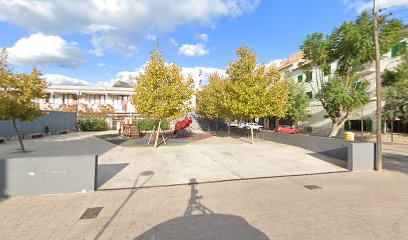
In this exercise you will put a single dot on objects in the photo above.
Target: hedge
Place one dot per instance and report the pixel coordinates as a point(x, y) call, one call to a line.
point(92, 125)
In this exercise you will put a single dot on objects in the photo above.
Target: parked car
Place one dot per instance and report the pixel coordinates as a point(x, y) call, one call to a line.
point(286, 129)
point(233, 124)
point(254, 126)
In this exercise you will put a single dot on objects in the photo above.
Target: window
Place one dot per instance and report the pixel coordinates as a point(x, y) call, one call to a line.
point(47, 98)
point(300, 78)
point(97, 99)
point(309, 76)
point(118, 99)
point(310, 94)
point(397, 49)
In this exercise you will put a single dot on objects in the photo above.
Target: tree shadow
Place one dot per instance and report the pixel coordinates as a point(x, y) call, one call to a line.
point(108, 171)
point(204, 225)
point(396, 162)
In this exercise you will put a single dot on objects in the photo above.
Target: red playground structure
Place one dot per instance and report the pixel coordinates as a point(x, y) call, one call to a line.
point(183, 124)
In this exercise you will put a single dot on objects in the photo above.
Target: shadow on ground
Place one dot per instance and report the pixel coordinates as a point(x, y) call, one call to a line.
point(334, 161)
point(108, 171)
point(199, 222)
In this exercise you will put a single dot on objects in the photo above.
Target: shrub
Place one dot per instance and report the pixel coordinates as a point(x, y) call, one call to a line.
point(92, 125)
point(149, 124)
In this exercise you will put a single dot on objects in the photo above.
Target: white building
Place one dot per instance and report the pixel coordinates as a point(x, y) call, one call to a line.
point(94, 97)
point(318, 123)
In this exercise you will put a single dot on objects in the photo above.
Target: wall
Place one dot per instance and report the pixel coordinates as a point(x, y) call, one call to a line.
point(56, 121)
point(359, 156)
point(47, 175)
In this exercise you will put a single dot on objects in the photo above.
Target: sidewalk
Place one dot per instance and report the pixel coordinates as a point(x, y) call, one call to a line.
point(352, 205)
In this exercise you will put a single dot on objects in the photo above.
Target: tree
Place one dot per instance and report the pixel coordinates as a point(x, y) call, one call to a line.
point(351, 47)
point(212, 100)
point(255, 90)
point(396, 91)
point(298, 101)
point(18, 93)
point(161, 91)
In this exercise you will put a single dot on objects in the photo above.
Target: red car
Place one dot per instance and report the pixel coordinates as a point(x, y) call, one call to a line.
point(286, 129)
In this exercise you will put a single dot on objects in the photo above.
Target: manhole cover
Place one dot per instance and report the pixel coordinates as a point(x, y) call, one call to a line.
point(312, 187)
point(91, 213)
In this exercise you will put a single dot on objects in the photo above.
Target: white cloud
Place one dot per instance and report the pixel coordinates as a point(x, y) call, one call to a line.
point(40, 49)
point(199, 74)
point(275, 62)
point(173, 42)
point(125, 76)
point(114, 24)
point(151, 37)
point(101, 64)
point(360, 6)
point(202, 37)
point(193, 50)
point(57, 79)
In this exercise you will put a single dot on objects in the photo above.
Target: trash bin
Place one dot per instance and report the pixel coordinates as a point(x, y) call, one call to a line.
point(349, 136)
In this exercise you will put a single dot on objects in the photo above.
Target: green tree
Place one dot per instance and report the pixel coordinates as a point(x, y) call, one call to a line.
point(161, 91)
point(18, 93)
point(298, 102)
point(255, 91)
point(351, 47)
point(212, 100)
point(396, 91)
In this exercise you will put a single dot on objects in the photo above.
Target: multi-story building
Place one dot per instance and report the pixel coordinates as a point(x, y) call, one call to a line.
point(94, 97)
point(317, 122)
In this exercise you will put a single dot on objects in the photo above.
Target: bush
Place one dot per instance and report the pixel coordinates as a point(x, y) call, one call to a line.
point(92, 125)
point(149, 124)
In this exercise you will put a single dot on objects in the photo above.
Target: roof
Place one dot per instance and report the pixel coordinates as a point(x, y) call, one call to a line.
point(90, 88)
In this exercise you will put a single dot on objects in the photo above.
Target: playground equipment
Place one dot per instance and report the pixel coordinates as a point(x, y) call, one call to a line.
point(183, 125)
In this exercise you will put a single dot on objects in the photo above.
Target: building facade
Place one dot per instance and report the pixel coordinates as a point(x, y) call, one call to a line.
point(363, 119)
point(59, 97)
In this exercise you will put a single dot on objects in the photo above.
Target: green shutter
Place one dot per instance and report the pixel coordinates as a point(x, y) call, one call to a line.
point(327, 70)
point(300, 78)
point(310, 94)
point(309, 76)
point(397, 48)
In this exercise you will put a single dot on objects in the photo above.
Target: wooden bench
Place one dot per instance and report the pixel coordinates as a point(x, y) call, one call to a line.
point(60, 132)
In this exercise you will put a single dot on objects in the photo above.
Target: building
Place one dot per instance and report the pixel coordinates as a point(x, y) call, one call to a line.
point(362, 119)
point(118, 97)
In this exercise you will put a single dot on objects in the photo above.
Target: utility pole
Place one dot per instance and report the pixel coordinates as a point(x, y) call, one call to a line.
point(379, 159)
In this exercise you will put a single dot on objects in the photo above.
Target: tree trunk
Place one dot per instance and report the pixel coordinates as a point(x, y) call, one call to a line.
point(252, 135)
point(157, 135)
point(20, 140)
point(392, 131)
point(335, 129)
point(216, 126)
point(229, 128)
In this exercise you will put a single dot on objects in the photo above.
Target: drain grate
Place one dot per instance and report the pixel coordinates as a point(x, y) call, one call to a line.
point(91, 213)
point(312, 187)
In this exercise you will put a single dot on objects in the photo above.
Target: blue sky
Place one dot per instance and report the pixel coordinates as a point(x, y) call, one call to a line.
point(97, 42)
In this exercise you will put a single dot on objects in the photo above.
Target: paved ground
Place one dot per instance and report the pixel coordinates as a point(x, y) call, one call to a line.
point(348, 205)
point(212, 159)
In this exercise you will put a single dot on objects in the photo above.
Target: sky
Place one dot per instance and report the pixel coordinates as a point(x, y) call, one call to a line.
point(97, 42)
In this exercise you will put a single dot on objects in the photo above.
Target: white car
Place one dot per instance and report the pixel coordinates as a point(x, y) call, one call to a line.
point(233, 124)
point(254, 126)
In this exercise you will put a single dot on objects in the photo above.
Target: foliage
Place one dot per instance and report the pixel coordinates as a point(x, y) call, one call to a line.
point(298, 101)
point(150, 124)
point(351, 46)
point(396, 97)
point(17, 94)
point(213, 98)
point(161, 91)
point(255, 90)
point(92, 125)
point(88, 112)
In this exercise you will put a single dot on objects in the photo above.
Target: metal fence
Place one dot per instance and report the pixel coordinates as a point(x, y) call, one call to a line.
point(50, 122)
